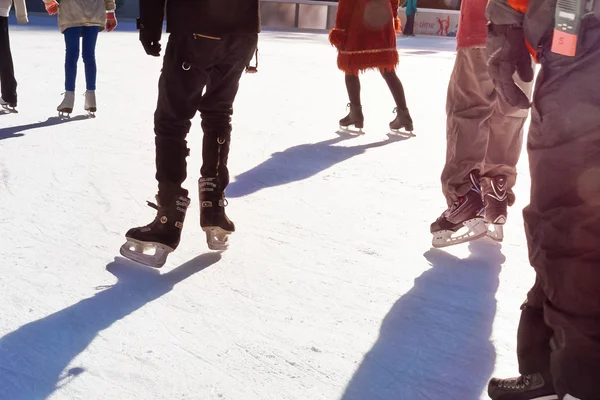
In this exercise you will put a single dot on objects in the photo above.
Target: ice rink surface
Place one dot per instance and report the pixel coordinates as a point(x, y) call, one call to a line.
point(330, 289)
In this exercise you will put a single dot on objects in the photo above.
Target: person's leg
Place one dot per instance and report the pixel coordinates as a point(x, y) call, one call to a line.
point(88, 53)
point(7, 72)
point(396, 88)
point(216, 106)
point(562, 221)
point(179, 91)
point(72, 36)
point(469, 106)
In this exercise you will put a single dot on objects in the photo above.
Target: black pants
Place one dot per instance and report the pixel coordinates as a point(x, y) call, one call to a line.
point(199, 74)
point(562, 221)
point(410, 25)
point(7, 72)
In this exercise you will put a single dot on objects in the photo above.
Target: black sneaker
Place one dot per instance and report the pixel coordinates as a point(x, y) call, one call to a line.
point(524, 387)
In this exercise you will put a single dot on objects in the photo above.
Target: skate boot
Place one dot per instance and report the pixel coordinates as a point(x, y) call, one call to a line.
point(151, 244)
point(213, 219)
point(11, 107)
point(524, 387)
point(355, 117)
point(495, 201)
point(66, 107)
point(90, 102)
point(402, 121)
point(467, 213)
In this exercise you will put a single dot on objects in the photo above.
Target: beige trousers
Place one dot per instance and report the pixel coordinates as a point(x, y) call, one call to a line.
point(483, 132)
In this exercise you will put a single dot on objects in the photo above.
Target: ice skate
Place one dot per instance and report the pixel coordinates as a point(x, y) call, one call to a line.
point(213, 220)
point(466, 213)
point(495, 202)
point(151, 244)
point(524, 387)
point(90, 102)
point(355, 117)
point(66, 107)
point(403, 124)
point(9, 107)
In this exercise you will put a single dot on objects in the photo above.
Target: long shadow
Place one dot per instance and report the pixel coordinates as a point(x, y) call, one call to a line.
point(16, 131)
point(435, 341)
point(34, 357)
point(298, 163)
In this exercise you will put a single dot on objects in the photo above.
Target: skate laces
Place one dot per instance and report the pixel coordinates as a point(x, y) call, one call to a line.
point(515, 383)
point(151, 204)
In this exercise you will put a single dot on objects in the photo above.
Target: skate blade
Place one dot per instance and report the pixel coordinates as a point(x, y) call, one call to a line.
point(148, 253)
point(402, 133)
point(476, 228)
point(9, 109)
point(351, 131)
point(495, 232)
point(217, 238)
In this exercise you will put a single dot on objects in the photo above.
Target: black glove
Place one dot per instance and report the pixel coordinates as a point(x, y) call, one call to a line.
point(507, 52)
point(150, 38)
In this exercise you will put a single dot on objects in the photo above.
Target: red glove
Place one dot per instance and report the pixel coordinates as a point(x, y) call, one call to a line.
point(52, 7)
point(111, 21)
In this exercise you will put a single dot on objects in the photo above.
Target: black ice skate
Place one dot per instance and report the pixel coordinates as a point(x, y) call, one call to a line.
point(467, 213)
point(495, 201)
point(403, 124)
point(151, 244)
point(524, 387)
point(213, 219)
point(355, 117)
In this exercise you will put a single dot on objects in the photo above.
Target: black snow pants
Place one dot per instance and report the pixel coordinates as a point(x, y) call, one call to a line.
point(7, 72)
point(559, 331)
point(199, 73)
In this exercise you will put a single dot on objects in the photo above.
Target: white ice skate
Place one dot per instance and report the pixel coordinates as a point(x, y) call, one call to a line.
point(90, 102)
point(9, 107)
point(147, 253)
point(66, 107)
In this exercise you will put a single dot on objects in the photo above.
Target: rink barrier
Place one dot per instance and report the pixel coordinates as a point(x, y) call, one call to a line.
point(320, 15)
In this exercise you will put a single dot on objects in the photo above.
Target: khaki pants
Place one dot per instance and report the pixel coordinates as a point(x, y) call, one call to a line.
point(483, 132)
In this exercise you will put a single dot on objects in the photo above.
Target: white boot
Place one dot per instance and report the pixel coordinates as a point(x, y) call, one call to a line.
point(66, 107)
point(90, 101)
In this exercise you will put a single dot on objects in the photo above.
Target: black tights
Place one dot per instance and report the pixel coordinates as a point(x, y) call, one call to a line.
point(392, 80)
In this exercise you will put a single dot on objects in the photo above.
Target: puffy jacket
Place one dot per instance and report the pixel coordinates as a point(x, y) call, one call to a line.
point(20, 10)
point(83, 13)
point(207, 17)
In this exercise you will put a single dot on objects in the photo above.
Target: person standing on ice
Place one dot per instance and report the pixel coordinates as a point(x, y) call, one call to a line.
point(210, 45)
point(484, 141)
point(7, 70)
point(558, 340)
point(365, 36)
point(81, 19)
point(411, 11)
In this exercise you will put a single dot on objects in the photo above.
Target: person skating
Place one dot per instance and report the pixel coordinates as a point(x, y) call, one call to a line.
point(210, 45)
point(8, 83)
point(484, 140)
point(365, 36)
point(81, 19)
point(558, 338)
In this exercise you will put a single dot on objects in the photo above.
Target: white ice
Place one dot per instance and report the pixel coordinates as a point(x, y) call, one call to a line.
point(330, 289)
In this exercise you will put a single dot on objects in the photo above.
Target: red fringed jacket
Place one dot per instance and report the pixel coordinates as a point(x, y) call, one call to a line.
point(365, 35)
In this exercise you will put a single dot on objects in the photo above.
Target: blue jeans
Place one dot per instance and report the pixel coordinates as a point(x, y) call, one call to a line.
point(72, 35)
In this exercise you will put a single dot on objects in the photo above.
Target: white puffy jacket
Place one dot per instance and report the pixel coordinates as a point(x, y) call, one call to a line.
point(20, 10)
point(83, 13)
